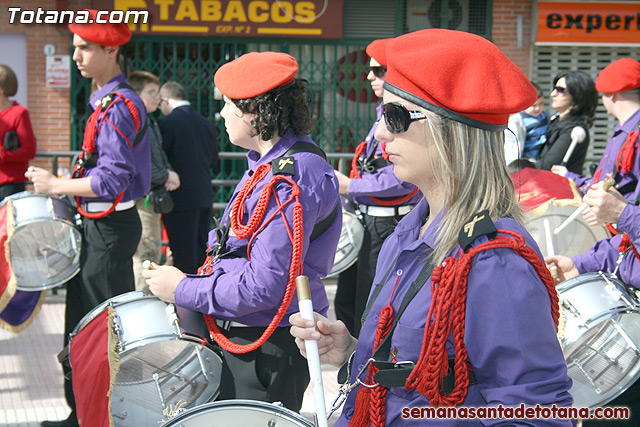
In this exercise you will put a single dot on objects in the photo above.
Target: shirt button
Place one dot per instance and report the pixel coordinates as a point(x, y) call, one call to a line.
point(360, 366)
point(399, 272)
point(375, 317)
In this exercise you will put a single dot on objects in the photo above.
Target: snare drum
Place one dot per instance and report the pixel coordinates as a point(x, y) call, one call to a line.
point(45, 246)
point(163, 359)
point(600, 337)
point(239, 412)
point(575, 239)
point(351, 238)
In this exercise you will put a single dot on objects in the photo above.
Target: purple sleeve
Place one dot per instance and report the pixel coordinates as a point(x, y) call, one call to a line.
point(578, 179)
point(601, 256)
point(383, 183)
point(250, 291)
point(116, 167)
point(505, 298)
point(629, 222)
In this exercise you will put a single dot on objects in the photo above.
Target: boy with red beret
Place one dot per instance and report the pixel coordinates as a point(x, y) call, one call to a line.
point(114, 171)
point(283, 220)
point(619, 83)
point(381, 198)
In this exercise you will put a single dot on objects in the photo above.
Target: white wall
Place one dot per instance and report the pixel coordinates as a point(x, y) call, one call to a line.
point(13, 52)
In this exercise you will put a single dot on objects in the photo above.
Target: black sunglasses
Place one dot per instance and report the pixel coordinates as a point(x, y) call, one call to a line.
point(398, 118)
point(378, 71)
point(560, 90)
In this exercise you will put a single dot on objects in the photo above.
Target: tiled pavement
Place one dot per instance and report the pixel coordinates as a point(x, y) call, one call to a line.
point(31, 377)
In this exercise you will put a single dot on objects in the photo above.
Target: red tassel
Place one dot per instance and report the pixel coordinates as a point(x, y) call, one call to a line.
point(361, 412)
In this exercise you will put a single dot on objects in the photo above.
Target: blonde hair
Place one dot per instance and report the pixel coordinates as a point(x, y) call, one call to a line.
point(472, 171)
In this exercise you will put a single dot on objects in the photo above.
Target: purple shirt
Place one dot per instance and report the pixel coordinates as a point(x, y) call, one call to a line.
point(603, 255)
point(383, 182)
point(509, 333)
point(608, 162)
point(119, 168)
point(250, 292)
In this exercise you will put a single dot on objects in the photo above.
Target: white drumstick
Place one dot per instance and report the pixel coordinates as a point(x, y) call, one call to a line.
point(311, 346)
point(606, 186)
point(550, 250)
point(578, 135)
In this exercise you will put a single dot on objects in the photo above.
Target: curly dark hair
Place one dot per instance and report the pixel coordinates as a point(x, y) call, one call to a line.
point(583, 91)
point(280, 110)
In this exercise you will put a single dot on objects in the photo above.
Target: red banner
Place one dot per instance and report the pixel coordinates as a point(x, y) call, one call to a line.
point(536, 187)
point(95, 365)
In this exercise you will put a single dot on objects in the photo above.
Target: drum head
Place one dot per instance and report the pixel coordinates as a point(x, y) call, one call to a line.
point(349, 245)
point(227, 413)
point(576, 238)
point(600, 338)
point(45, 246)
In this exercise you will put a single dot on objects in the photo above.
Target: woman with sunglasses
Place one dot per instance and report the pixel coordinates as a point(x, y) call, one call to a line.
point(463, 312)
point(382, 199)
point(575, 98)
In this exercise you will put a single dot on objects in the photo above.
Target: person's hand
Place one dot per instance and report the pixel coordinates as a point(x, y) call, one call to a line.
point(607, 206)
point(566, 268)
point(343, 182)
point(43, 180)
point(172, 182)
point(559, 170)
point(163, 281)
point(590, 218)
point(335, 343)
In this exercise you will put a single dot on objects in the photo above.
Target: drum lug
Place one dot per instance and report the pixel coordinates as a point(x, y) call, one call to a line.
point(50, 207)
point(117, 329)
point(173, 317)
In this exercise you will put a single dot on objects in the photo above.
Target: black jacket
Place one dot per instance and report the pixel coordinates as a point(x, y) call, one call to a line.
point(191, 144)
point(558, 140)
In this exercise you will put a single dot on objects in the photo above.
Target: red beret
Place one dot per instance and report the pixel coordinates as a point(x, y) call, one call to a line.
point(620, 75)
point(102, 34)
point(458, 75)
point(255, 73)
point(377, 50)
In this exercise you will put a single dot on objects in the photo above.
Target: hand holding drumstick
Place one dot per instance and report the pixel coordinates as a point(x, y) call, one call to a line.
point(162, 280)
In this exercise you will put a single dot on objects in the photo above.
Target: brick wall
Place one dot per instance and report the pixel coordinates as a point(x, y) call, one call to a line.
point(49, 108)
point(504, 30)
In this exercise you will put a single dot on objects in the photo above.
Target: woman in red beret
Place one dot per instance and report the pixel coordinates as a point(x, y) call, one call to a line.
point(575, 98)
point(283, 220)
point(463, 313)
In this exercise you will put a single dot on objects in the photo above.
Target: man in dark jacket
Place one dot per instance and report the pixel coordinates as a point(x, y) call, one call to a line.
point(147, 85)
point(190, 142)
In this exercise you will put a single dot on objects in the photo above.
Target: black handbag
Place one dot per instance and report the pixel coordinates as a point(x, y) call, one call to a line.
point(160, 200)
point(11, 141)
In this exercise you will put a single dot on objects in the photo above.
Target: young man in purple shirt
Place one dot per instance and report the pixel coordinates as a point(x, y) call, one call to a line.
point(116, 171)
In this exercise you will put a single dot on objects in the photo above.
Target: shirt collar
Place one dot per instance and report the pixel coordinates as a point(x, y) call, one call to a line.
point(108, 88)
point(630, 124)
point(278, 150)
point(409, 227)
point(180, 104)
